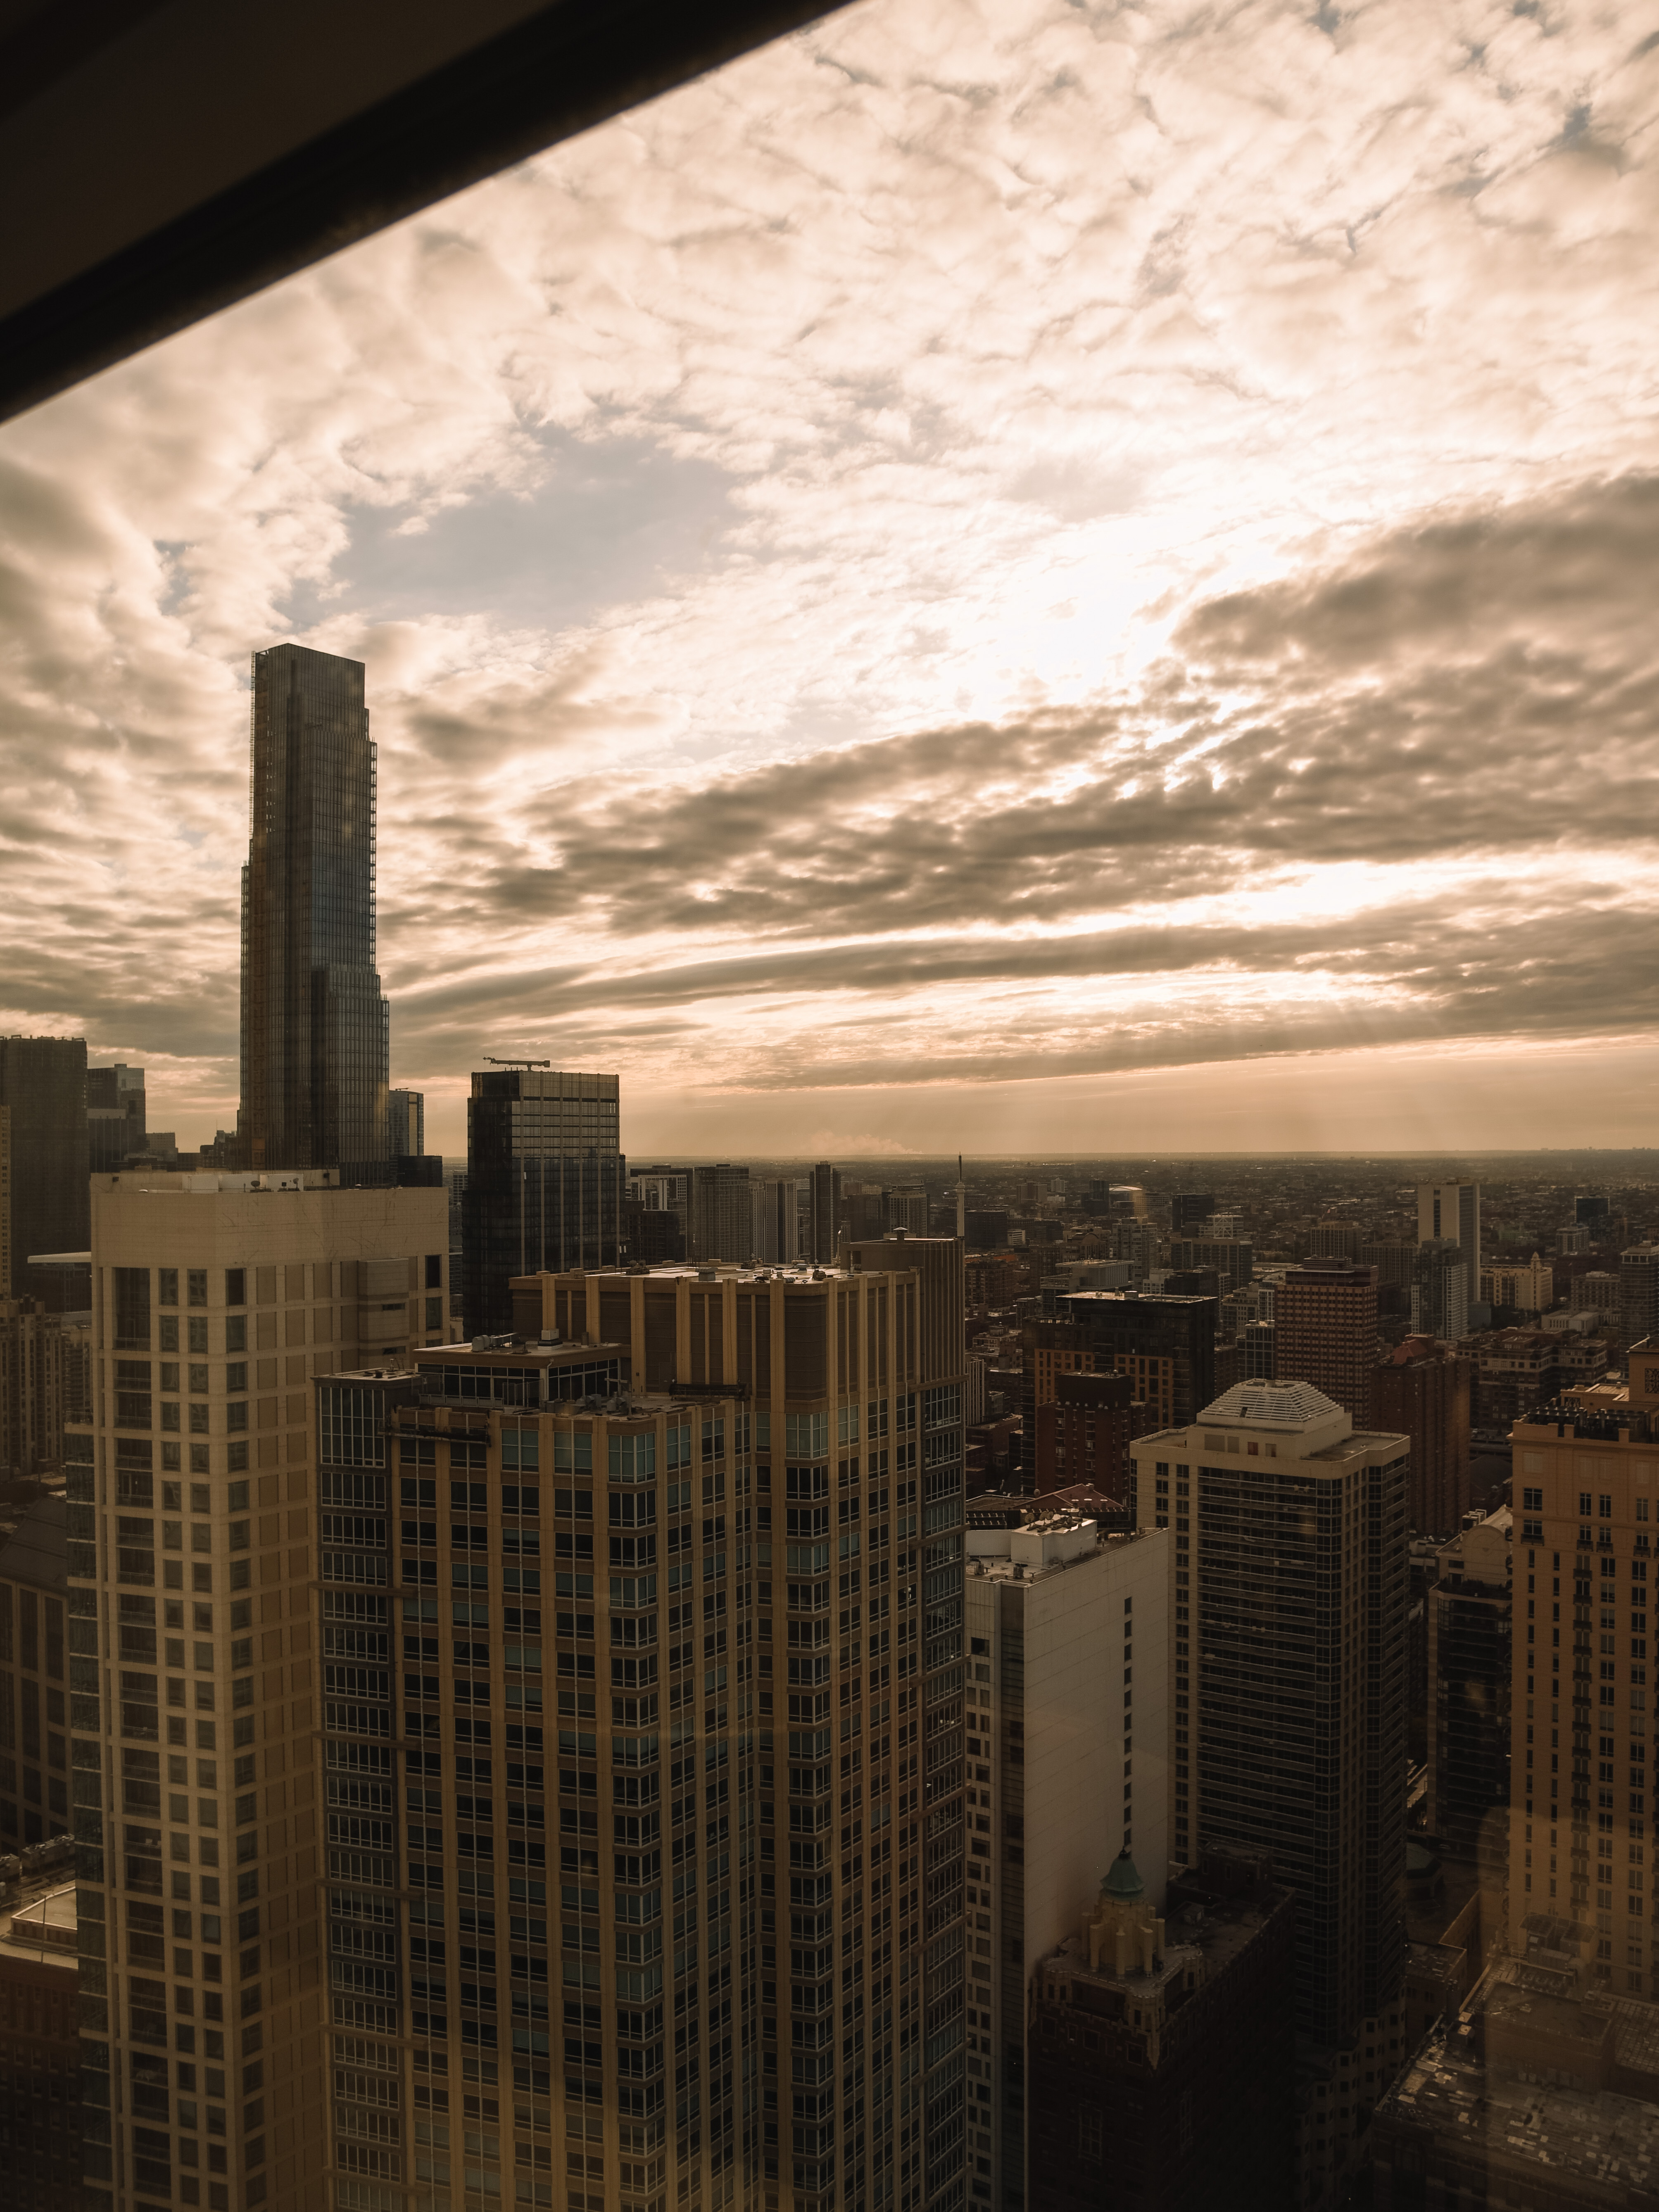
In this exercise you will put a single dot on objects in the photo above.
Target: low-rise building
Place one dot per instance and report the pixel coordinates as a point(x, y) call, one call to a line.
point(1163, 2049)
point(40, 2055)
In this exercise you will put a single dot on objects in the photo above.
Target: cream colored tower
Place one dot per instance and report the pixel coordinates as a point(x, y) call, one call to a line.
point(1586, 1479)
point(193, 1710)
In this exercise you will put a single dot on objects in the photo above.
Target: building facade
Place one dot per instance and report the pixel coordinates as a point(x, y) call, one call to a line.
point(1468, 1616)
point(1083, 1434)
point(33, 1387)
point(823, 1212)
point(722, 1214)
point(1165, 1344)
point(1325, 1332)
point(1290, 1672)
point(316, 1030)
point(115, 1117)
point(43, 1096)
point(785, 1683)
point(1067, 1742)
point(405, 1124)
point(775, 1219)
point(1425, 1390)
point(1450, 1212)
point(34, 1773)
point(1162, 2049)
point(544, 1183)
point(193, 1664)
point(40, 2055)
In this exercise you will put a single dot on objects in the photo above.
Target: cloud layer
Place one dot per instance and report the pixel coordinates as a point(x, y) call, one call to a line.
point(982, 542)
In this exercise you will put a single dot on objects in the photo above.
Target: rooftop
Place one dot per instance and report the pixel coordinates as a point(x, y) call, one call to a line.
point(1270, 1406)
point(1588, 2135)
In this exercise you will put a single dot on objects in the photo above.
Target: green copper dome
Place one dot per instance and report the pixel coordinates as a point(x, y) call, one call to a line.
point(1123, 1883)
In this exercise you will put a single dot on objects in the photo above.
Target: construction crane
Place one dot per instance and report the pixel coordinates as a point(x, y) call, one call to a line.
point(490, 1061)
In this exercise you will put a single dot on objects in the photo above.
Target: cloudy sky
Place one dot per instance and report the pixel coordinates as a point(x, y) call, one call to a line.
point(999, 574)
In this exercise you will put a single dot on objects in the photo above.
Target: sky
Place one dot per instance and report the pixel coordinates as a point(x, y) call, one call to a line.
point(993, 576)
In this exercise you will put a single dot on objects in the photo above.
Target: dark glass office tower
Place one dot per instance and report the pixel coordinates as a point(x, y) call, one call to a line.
point(315, 1028)
point(545, 1182)
point(43, 1087)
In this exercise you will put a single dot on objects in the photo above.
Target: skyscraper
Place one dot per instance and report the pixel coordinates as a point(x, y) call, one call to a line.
point(192, 1669)
point(824, 1214)
point(1451, 1212)
point(1423, 1390)
point(722, 1214)
point(43, 1089)
point(545, 1182)
point(405, 1124)
point(1165, 1344)
point(1067, 1741)
point(316, 1031)
point(675, 1887)
point(1325, 1332)
point(1289, 1684)
point(115, 1115)
point(1440, 1285)
point(776, 1218)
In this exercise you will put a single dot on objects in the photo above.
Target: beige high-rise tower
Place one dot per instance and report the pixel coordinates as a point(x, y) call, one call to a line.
point(643, 1742)
point(192, 1661)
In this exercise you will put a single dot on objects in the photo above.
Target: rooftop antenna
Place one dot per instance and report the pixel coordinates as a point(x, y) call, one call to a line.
point(490, 1061)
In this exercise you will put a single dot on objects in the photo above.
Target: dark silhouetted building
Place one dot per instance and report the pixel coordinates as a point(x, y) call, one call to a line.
point(988, 1229)
point(1162, 2050)
point(1189, 1211)
point(1290, 1693)
point(1231, 1256)
point(405, 1124)
point(1175, 1337)
point(41, 2079)
point(316, 1030)
point(42, 1093)
point(34, 1672)
point(722, 1214)
point(545, 1184)
point(115, 1117)
point(1334, 1240)
point(1085, 1433)
point(1425, 1390)
point(1259, 1341)
point(1469, 1612)
point(32, 1387)
point(1441, 1287)
point(823, 1213)
point(1325, 1332)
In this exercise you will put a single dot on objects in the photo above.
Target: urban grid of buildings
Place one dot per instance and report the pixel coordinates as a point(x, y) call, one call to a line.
point(656, 1689)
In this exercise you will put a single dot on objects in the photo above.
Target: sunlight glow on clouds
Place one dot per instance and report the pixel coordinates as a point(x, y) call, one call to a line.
point(985, 541)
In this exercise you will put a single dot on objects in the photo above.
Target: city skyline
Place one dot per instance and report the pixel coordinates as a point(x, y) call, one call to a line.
point(1070, 552)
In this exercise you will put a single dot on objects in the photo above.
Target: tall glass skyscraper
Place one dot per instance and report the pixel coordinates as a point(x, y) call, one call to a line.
point(545, 1181)
point(316, 1030)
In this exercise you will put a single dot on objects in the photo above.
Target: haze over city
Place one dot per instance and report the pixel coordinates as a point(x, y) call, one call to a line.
point(1012, 576)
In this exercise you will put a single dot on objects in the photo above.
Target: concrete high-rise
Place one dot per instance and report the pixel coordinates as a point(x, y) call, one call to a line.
point(762, 1943)
point(722, 1214)
point(43, 1095)
point(32, 1387)
point(1424, 1390)
point(193, 1674)
point(823, 1212)
point(1450, 1212)
point(1289, 1685)
point(1165, 1344)
point(1440, 1285)
point(1067, 1735)
point(1468, 1608)
point(316, 1030)
point(775, 1219)
point(545, 1180)
point(1586, 1479)
point(405, 1125)
point(115, 1115)
point(1325, 1332)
